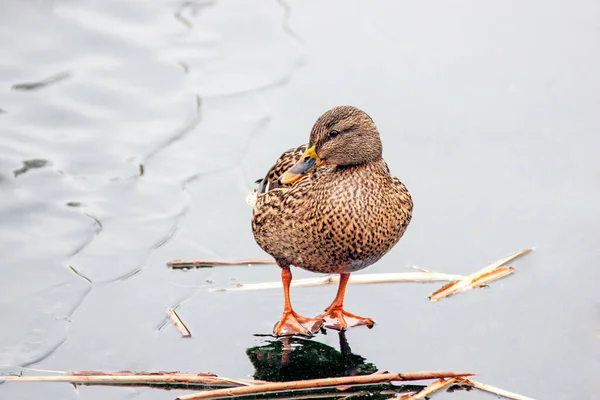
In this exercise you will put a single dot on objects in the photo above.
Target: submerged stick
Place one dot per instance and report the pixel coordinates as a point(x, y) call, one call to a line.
point(185, 332)
point(354, 279)
point(464, 283)
point(180, 264)
point(323, 382)
point(494, 390)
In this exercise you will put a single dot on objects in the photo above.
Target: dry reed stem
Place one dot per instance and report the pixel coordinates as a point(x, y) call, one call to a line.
point(494, 390)
point(354, 279)
point(403, 396)
point(431, 389)
point(494, 275)
point(108, 378)
point(194, 263)
point(340, 395)
point(324, 382)
point(135, 373)
point(464, 284)
point(346, 387)
point(185, 332)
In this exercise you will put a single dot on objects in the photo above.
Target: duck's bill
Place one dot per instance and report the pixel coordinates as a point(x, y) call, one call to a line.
point(307, 163)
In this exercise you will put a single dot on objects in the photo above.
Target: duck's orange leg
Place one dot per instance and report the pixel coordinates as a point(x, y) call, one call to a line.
point(336, 310)
point(292, 323)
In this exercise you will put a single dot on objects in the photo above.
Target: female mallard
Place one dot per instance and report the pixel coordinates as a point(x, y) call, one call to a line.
point(330, 206)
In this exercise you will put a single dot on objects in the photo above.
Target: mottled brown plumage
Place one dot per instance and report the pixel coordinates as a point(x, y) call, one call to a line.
point(343, 212)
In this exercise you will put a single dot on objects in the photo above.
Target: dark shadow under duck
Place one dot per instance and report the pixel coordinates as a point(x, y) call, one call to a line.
point(293, 358)
point(296, 358)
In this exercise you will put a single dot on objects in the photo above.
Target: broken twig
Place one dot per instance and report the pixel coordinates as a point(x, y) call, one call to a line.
point(479, 278)
point(354, 279)
point(182, 264)
point(185, 332)
point(324, 382)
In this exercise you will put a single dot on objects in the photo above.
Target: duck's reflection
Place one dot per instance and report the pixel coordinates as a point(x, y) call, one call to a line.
point(296, 358)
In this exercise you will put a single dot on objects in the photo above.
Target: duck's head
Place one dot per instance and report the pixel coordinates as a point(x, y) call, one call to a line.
point(344, 135)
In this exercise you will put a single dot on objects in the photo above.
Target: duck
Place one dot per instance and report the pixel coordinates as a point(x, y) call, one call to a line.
point(330, 206)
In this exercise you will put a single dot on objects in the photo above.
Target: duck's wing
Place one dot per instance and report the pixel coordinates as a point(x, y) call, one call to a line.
point(283, 163)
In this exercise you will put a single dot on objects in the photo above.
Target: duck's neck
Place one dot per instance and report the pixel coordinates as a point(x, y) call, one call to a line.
point(378, 167)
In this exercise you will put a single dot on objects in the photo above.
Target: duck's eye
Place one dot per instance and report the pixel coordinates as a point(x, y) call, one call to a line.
point(333, 134)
